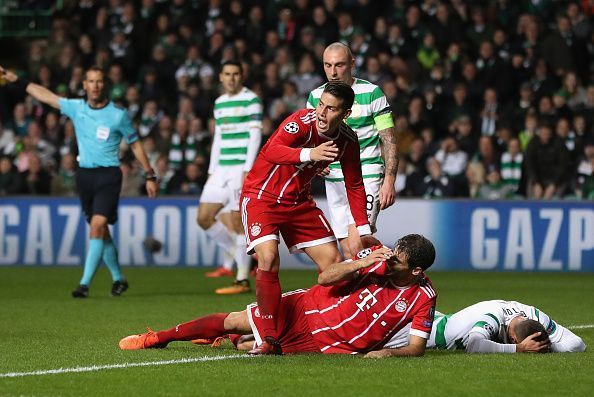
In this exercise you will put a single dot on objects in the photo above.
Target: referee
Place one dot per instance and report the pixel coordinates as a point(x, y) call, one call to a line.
point(99, 126)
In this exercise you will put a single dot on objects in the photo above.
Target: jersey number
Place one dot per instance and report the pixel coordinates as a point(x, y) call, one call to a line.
point(369, 202)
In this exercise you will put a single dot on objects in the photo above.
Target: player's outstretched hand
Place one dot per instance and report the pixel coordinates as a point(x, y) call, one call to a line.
point(530, 345)
point(327, 151)
point(378, 354)
point(8, 75)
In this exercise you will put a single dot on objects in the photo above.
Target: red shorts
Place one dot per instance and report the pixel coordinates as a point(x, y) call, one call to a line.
point(302, 225)
point(294, 336)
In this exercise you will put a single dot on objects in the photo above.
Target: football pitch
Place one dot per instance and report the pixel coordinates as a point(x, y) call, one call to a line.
point(54, 345)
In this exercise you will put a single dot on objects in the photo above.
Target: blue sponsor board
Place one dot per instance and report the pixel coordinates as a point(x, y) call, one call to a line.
point(468, 235)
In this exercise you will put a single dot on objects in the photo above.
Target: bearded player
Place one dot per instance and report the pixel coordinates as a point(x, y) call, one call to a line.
point(357, 307)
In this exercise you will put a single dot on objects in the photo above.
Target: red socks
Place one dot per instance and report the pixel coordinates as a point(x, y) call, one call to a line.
point(268, 296)
point(207, 327)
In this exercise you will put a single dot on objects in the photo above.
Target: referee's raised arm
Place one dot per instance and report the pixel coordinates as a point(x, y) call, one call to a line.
point(37, 91)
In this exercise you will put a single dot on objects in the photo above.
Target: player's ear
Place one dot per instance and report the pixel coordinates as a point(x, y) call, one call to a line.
point(416, 271)
point(347, 114)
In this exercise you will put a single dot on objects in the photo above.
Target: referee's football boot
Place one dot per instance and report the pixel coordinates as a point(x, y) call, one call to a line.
point(82, 291)
point(119, 287)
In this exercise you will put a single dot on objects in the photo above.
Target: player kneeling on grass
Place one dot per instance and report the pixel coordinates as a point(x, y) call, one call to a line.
point(495, 326)
point(357, 307)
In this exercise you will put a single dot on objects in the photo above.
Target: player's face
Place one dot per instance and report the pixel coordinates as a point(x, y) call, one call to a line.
point(329, 113)
point(230, 77)
point(93, 85)
point(338, 65)
point(399, 266)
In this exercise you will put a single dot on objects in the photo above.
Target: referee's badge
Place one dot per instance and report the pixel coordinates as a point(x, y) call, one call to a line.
point(292, 127)
point(102, 133)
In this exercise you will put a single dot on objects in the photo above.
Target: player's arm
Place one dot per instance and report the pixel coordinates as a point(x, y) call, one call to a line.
point(415, 348)
point(285, 145)
point(353, 180)
point(255, 131)
point(37, 91)
point(152, 185)
point(349, 269)
point(387, 193)
point(562, 339)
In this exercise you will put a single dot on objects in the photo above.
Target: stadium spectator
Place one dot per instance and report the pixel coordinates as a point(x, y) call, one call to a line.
point(64, 182)
point(436, 184)
point(36, 180)
point(188, 181)
point(7, 140)
point(10, 180)
point(547, 161)
point(404, 266)
point(512, 165)
point(494, 188)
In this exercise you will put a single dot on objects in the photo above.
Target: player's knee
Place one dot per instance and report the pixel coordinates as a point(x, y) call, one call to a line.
point(268, 261)
point(205, 220)
point(237, 322)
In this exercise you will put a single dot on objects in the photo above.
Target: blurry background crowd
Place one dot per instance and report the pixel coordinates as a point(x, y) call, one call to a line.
point(489, 97)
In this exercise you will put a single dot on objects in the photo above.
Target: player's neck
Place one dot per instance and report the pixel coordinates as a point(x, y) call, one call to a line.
point(98, 104)
point(404, 279)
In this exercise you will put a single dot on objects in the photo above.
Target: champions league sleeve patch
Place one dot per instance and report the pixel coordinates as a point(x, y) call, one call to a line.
point(292, 127)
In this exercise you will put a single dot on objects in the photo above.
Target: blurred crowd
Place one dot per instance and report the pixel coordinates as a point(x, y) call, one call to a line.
point(491, 99)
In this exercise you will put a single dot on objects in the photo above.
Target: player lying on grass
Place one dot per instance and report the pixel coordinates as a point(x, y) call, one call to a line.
point(357, 307)
point(495, 326)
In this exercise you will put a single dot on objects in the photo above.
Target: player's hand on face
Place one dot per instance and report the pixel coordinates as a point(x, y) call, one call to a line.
point(327, 151)
point(530, 345)
point(378, 255)
point(151, 188)
point(378, 354)
point(8, 75)
point(387, 195)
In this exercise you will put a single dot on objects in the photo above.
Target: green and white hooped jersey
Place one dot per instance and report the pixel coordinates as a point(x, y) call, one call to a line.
point(236, 117)
point(371, 113)
point(489, 319)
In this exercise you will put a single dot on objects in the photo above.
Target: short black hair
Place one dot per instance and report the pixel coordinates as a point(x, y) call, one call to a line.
point(232, 63)
point(341, 91)
point(419, 251)
point(528, 327)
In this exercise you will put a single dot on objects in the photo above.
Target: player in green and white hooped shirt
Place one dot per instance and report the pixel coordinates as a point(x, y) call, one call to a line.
point(371, 118)
point(238, 132)
point(496, 326)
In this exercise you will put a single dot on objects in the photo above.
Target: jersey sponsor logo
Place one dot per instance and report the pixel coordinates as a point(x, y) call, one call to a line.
point(292, 127)
point(255, 229)
point(367, 300)
point(401, 305)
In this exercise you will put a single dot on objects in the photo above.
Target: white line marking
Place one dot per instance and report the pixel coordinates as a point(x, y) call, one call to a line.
point(581, 326)
point(124, 365)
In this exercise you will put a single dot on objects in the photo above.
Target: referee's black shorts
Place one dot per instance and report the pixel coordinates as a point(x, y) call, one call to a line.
point(99, 191)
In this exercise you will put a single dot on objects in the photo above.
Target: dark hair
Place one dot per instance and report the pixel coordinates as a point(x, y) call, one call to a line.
point(232, 63)
point(528, 327)
point(342, 91)
point(419, 251)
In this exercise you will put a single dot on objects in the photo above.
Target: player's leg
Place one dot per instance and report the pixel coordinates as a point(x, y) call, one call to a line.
point(110, 258)
point(338, 208)
point(206, 327)
point(98, 225)
point(324, 255)
point(268, 288)
point(372, 189)
point(216, 231)
point(241, 283)
point(228, 256)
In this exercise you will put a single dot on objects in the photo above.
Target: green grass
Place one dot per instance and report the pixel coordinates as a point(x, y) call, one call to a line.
point(42, 327)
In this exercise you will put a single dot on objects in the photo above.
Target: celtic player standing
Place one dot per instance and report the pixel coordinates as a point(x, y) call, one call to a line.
point(371, 119)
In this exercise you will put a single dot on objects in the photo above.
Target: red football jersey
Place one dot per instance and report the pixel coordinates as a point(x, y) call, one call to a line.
point(362, 315)
point(279, 175)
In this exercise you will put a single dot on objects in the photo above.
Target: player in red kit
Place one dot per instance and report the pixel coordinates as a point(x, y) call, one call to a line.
point(357, 307)
point(276, 196)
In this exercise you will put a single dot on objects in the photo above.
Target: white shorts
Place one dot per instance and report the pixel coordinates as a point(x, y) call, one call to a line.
point(340, 211)
point(223, 187)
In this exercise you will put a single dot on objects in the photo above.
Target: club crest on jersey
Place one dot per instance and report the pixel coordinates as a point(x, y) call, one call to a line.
point(292, 127)
point(255, 229)
point(401, 305)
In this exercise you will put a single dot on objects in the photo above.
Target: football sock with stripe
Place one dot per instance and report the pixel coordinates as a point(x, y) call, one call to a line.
point(92, 260)
point(242, 259)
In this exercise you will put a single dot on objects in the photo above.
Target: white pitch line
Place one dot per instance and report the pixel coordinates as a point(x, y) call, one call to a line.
point(116, 366)
point(581, 326)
